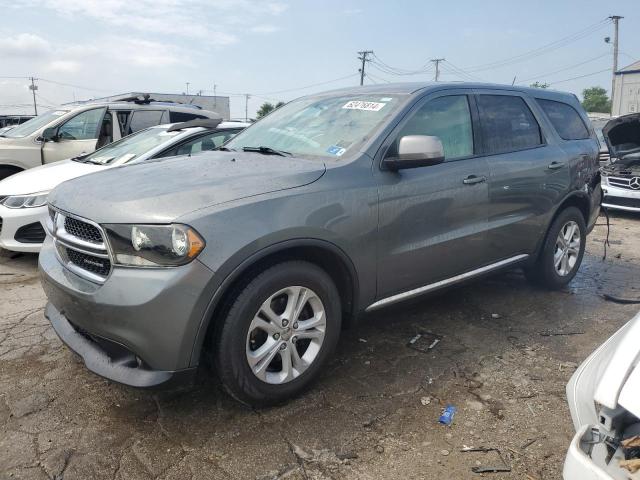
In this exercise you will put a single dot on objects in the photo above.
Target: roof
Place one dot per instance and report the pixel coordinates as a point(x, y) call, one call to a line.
point(633, 68)
point(414, 87)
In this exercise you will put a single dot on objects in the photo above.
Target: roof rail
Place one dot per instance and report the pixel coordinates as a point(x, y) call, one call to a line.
point(200, 122)
point(144, 99)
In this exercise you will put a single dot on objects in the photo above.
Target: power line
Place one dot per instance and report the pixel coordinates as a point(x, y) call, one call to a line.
point(310, 86)
point(580, 76)
point(448, 66)
point(369, 75)
point(549, 47)
point(537, 77)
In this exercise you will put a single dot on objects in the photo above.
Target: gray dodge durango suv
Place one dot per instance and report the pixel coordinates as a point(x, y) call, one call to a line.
point(334, 204)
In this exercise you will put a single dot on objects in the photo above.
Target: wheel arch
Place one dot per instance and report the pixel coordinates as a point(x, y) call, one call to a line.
point(13, 169)
point(322, 253)
point(578, 199)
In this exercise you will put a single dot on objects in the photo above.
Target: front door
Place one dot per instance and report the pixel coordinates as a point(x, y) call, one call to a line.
point(76, 136)
point(433, 220)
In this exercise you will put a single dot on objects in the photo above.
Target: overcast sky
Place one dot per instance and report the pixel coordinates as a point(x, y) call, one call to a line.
point(272, 48)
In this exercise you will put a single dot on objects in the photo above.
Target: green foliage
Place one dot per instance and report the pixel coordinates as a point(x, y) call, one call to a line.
point(267, 107)
point(595, 99)
point(539, 85)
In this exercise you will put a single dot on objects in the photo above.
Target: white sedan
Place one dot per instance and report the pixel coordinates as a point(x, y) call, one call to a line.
point(23, 196)
point(604, 400)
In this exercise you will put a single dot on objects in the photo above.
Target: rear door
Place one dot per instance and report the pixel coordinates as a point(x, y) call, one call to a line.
point(141, 119)
point(76, 136)
point(433, 220)
point(529, 172)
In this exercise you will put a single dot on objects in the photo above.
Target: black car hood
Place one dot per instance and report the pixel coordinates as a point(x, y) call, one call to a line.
point(163, 190)
point(622, 135)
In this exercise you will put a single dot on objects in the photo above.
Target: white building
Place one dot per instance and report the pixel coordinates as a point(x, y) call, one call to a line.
point(626, 97)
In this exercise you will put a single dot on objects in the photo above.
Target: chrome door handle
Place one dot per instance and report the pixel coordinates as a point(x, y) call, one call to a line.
point(473, 179)
point(555, 165)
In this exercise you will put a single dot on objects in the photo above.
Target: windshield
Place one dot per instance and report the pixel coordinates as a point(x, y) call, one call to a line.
point(130, 147)
point(319, 127)
point(27, 128)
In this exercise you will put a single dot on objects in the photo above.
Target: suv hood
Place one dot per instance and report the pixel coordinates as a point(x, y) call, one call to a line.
point(619, 383)
point(161, 191)
point(45, 177)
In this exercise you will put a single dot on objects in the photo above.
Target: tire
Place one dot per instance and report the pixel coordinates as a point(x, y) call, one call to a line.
point(241, 338)
point(546, 272)
point(7, 171)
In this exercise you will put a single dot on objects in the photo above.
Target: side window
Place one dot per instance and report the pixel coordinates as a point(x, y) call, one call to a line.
point(564, 119)
point(507, 124)
point(210, 141)
point(179, 117)
point(448, 118)
point(84, 126)
point(123, 118)
point(142, 119)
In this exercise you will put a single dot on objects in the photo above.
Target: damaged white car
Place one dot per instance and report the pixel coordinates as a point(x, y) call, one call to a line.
point(604, 399)
point(621, 178)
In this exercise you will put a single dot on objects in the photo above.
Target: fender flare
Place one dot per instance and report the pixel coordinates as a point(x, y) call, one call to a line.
point(238, 270)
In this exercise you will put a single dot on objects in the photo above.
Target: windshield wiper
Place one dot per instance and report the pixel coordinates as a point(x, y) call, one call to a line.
point(225, 149)
point(266, 151)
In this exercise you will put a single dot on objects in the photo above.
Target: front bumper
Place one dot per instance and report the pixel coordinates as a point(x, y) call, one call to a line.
point(144, 320)
point(15, 218)
point(621, 198)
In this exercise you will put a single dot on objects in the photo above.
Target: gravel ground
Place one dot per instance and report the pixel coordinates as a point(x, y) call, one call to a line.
point(505, 353)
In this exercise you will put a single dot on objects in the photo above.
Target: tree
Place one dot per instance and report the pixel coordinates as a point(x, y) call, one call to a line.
point(267, 107)
point(539, 85)
point(595, 99)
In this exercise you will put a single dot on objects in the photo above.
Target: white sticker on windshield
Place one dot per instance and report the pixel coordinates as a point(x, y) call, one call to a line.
point(360, 105)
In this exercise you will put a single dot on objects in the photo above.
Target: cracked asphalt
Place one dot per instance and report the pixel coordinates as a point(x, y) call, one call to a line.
point(505, 354)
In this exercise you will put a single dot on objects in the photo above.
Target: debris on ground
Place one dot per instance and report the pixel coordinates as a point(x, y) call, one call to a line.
point(446, 418)
point(505, 467)
point(362, 340)
point(631, 447)
point(424, 341)
point(496, 315)
point(425, 401)
point(632, 465)
point(559, 334)
point(623, 301)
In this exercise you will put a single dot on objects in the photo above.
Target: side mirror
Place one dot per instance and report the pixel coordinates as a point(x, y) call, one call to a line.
point(49, 134)
point(416, 151)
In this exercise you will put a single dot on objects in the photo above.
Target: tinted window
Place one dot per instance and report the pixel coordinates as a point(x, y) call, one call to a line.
point(177, 117)
point(507, 124)
point(565, 120)
point(144, 119)
point(83, 126)
point(447, 118)
point(210, 141)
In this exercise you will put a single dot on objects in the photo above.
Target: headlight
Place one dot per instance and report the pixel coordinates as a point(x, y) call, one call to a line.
point(26, 201)
point(153, 245)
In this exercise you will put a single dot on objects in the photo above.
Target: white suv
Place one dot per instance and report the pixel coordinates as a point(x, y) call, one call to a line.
point(78, 130)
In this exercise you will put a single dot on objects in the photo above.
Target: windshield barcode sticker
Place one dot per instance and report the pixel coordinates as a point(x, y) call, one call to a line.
point(360, 105)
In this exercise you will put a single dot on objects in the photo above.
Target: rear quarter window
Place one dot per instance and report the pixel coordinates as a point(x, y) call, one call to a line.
point(179, 117)
point(565, 119)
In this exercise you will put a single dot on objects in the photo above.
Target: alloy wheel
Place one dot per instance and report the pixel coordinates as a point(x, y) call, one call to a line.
point(286, 335)
point(567, 248)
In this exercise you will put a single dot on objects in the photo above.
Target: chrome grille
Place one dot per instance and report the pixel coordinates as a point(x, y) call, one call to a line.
point(80, 245)
point(629, 183)
point(82, 230)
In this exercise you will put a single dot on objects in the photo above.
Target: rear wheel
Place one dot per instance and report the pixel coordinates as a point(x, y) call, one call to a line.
point(278, 333)
point(562, 251)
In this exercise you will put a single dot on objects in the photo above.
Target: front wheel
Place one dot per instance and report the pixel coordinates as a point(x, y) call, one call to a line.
point(278, 333)
point(562, 251)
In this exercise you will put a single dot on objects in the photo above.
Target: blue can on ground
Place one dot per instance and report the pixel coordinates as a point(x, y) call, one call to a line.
point(447, 415)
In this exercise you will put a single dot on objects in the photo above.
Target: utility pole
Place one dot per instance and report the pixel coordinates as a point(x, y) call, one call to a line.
point(33, 87)
point(188, 88)
point(246, 107)
point(437, 62)
point(215, 98)
point(615, 19)
point(363, 57)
